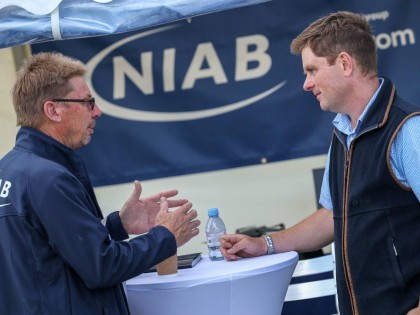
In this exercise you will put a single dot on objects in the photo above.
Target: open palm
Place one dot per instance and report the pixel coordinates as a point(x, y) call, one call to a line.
point(138, 215)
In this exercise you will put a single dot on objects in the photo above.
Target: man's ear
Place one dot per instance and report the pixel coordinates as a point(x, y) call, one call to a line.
point(346, 62)
point(52, 111)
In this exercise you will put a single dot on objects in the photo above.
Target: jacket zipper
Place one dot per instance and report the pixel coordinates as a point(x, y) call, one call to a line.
point(346, 263)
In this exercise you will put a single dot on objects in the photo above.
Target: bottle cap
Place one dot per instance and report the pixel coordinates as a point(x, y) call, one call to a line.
point(213, 212)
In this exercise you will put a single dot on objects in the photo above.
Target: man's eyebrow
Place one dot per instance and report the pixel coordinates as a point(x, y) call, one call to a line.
point(308, 67)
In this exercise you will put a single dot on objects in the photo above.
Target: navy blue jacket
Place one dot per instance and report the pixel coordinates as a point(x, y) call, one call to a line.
point(376, 218)
point(56, 257)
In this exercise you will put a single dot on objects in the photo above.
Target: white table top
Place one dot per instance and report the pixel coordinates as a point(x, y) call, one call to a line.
point(213, 271)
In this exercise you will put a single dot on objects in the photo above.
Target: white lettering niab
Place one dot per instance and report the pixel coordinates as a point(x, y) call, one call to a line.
point(4, 191)
point(205, 64)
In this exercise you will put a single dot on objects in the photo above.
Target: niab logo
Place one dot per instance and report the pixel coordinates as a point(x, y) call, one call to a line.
point(252, 61)
point(4, 188)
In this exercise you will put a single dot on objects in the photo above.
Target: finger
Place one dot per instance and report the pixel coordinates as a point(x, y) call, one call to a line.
point(225, 238)
point(227, 241)
point(195, 232)
point(177, 203)
point(187, 236)
point(232, 238)
point(184, 208)
point(235, 248)
point(231, 257)
point(228, 256)
point(195, 224)
point(137, 191)
point(191, 215)
point(163, 204)
point(167, 194)
point(224, 243)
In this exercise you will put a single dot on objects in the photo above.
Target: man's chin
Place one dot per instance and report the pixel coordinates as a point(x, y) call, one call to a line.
point(324, 107)
point(86, 140)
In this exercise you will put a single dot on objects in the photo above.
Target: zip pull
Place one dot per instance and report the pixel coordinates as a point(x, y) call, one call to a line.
point(395, 249)
point(347, 162)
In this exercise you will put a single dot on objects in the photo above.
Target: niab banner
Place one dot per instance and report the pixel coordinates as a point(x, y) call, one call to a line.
point(222, 90)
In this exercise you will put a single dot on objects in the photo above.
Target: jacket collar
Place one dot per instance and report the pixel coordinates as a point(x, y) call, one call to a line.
point(375, 116)
point(44, 146)
point(378, 114)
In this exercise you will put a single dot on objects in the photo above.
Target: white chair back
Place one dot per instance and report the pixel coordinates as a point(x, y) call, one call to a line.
point(312, 287)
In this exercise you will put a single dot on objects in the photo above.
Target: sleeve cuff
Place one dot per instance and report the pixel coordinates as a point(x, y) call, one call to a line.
point(171, 247)
point(115, 227)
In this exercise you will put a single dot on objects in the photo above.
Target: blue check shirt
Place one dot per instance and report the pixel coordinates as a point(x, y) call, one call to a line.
point(405, 152)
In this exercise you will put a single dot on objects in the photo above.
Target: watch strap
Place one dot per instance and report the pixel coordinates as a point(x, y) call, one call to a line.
point(270, 245)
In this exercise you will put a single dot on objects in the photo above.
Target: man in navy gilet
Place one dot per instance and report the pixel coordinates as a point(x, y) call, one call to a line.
point(371, 187)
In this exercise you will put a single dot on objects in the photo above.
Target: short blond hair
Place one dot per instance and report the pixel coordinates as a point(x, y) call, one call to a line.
point(338, 32)
point(42, 77)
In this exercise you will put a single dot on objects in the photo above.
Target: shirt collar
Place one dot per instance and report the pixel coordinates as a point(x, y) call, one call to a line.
point(343, 122)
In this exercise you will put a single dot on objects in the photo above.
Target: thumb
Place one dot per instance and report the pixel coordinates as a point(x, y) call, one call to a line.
point(236, 248)
point(137, 191)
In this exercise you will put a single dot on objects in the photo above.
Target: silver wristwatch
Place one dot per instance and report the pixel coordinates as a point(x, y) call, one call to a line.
point(270, 245)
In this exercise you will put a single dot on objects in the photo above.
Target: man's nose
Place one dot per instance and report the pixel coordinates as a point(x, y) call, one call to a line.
point(96, 111)
point(308, 84)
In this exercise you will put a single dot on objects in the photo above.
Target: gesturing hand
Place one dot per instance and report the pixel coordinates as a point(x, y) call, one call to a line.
point(181, 222)
point(138, 215)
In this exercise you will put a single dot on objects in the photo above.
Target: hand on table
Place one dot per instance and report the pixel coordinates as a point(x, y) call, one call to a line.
point(235, 246)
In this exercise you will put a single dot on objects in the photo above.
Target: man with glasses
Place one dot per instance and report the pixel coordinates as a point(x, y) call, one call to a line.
point(58, 255)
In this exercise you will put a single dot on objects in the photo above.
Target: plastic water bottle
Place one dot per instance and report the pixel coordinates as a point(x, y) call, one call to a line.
point(215, 228)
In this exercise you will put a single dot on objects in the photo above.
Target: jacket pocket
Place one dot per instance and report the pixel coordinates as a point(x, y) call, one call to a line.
point(393, 255)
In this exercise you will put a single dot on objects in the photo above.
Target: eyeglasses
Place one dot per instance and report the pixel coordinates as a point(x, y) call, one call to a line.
point(89, 101)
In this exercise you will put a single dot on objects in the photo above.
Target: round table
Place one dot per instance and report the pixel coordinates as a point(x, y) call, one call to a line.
point(247, 286)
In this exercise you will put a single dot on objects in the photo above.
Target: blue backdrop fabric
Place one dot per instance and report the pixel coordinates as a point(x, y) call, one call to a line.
point(222, 90)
